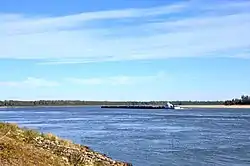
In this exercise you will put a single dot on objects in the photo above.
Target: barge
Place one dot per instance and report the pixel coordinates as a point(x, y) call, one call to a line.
point(167, 106)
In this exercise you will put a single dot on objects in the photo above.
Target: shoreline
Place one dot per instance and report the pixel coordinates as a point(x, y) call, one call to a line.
point(21, 145)
point(47, 106)
point(182, 106)
point(216, 106)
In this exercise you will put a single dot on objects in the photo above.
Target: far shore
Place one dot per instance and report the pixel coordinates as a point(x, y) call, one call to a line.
point(215, 106)
point(47, 106)
point(182, 106)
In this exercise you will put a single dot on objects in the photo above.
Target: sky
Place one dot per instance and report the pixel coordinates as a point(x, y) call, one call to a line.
point(124, 49)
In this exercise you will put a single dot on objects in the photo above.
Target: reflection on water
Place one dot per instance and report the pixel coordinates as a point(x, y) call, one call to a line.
point(148, 137)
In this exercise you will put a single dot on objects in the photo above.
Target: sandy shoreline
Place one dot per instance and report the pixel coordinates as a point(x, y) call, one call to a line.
point(215, 106)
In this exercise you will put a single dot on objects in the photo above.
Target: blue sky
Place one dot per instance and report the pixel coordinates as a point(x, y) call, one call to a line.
point(124, 49)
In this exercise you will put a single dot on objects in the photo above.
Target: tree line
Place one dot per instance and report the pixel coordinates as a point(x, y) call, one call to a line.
point(13, 103)
point(244, 100)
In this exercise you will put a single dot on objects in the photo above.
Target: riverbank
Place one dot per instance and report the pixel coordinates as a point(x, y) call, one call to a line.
point(182, 106)
point(28, 147)
point(216, 106)
point(47, 106)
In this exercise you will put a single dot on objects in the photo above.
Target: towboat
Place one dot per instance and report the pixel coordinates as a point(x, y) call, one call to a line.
point(167, 106)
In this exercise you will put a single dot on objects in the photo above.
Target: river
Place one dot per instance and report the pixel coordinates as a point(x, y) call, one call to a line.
point(190, 137)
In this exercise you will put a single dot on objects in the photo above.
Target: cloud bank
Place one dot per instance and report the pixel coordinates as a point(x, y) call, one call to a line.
point(188, 29)
point(118, 80)
point(32, 82)
point(29, 82)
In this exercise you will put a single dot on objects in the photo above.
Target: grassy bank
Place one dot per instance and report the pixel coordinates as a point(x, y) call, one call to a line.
point(24, 147)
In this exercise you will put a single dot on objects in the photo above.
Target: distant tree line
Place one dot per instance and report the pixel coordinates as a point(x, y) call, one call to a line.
point(197, 102)
point(13, 103)
point(244, 100)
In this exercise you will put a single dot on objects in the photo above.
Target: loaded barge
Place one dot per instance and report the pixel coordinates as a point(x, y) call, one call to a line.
point(167, 106)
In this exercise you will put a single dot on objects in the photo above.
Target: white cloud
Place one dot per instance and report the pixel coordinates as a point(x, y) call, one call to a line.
point(243, 55)
point(118, 80)
point(18, 24)
point(30, 82)
point(86, 38)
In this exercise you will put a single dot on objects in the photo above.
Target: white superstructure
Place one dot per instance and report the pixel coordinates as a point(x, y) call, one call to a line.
point(171, 106)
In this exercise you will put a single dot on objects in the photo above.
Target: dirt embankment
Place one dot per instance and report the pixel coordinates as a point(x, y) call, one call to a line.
point(23, 147)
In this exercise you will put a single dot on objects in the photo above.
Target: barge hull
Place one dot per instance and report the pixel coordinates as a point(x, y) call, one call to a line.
point(136, 107)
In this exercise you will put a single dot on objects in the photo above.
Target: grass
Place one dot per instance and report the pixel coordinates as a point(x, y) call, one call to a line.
point(16, 148)
point(25, 147)
point(15, 153)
